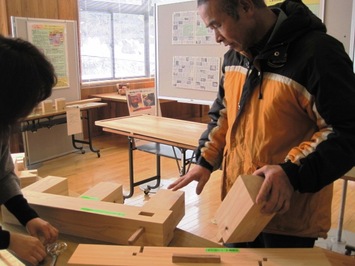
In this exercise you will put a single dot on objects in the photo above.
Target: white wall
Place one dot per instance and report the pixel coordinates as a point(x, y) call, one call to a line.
point(338, 19)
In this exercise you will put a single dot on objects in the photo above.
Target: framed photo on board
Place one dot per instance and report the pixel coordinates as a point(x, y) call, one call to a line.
point(141, 101)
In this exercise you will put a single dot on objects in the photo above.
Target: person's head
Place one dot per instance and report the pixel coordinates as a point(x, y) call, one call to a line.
point(26, 79)
point(236, 23)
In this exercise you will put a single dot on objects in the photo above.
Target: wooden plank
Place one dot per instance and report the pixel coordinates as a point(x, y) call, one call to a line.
point(4, 25)
point(239, 218)
point(50, 184)
point(48, 8)
point(68, 9)
point(105, 191)
point(87, 254)
point(7, 259)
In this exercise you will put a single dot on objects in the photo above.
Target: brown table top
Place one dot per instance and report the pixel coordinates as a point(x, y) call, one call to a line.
point(111, 96)
point(83, 106)
point(176, 132)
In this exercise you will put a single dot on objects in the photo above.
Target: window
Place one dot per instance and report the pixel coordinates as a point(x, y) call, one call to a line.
point(117, 38)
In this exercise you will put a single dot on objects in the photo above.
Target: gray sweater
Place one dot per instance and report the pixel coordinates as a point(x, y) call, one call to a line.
point(10, 192)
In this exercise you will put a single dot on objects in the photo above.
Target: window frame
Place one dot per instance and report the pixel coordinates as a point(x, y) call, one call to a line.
point(112, 8)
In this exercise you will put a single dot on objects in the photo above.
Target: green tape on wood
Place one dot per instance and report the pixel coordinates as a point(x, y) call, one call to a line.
point(121, 214)
point(222, 250)
point(89, 198)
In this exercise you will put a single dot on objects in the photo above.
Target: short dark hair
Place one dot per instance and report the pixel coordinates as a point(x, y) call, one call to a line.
point(230, 6)
point(26, 78)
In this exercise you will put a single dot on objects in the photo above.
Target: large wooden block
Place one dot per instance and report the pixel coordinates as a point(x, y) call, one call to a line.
point(105, 191)
point(105, 221)
point(239, 218)
point(111, 255)
point(50, 184)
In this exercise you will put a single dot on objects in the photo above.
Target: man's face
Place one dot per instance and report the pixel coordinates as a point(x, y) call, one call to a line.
point(237, 34)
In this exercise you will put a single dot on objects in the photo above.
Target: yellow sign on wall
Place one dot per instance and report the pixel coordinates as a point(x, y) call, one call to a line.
point(314, 5)
point(307, 2)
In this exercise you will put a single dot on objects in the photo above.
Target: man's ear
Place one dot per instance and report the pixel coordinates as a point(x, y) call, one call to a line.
point(246, 5)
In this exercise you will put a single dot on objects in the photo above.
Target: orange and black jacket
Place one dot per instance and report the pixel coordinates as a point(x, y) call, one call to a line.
point(293, 104)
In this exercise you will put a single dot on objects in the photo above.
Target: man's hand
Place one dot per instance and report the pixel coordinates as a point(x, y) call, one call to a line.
point(198, 173)
point(276, 190)
point(27, 248)
point(42, 230)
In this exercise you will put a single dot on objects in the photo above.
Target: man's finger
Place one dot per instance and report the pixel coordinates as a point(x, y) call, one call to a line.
point(264, 192)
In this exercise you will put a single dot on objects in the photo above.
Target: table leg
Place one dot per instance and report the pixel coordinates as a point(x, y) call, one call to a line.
point(342, 210)
point(132, 183)
point(89, 141)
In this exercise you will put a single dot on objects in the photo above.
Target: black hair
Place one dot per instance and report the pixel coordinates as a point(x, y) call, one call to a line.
point(230, 6)
point(26, 78)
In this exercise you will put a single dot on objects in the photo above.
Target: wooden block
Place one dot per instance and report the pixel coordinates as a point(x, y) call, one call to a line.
point(19, 165)
point(28, 177)
point(168, 200)
point(47, 106)
point(105, 191)
point(239, 218)
point(104, 221)
point(60, 104)
point(50, 184)
point(18, 160)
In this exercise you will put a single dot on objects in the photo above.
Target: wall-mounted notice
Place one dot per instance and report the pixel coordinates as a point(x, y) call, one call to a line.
point(51, 39)
point(188, 58)
point(188, 28)
point(199, 73)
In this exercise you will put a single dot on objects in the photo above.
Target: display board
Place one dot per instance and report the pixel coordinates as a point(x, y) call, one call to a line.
point(59, 42)
point(188, 59)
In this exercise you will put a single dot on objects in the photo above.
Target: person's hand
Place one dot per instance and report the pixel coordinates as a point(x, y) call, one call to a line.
point(27, 248)
point(42, 230)
point(276, 190)
point(198, 173)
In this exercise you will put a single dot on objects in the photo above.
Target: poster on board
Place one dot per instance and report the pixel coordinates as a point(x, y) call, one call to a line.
point(51, 39)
